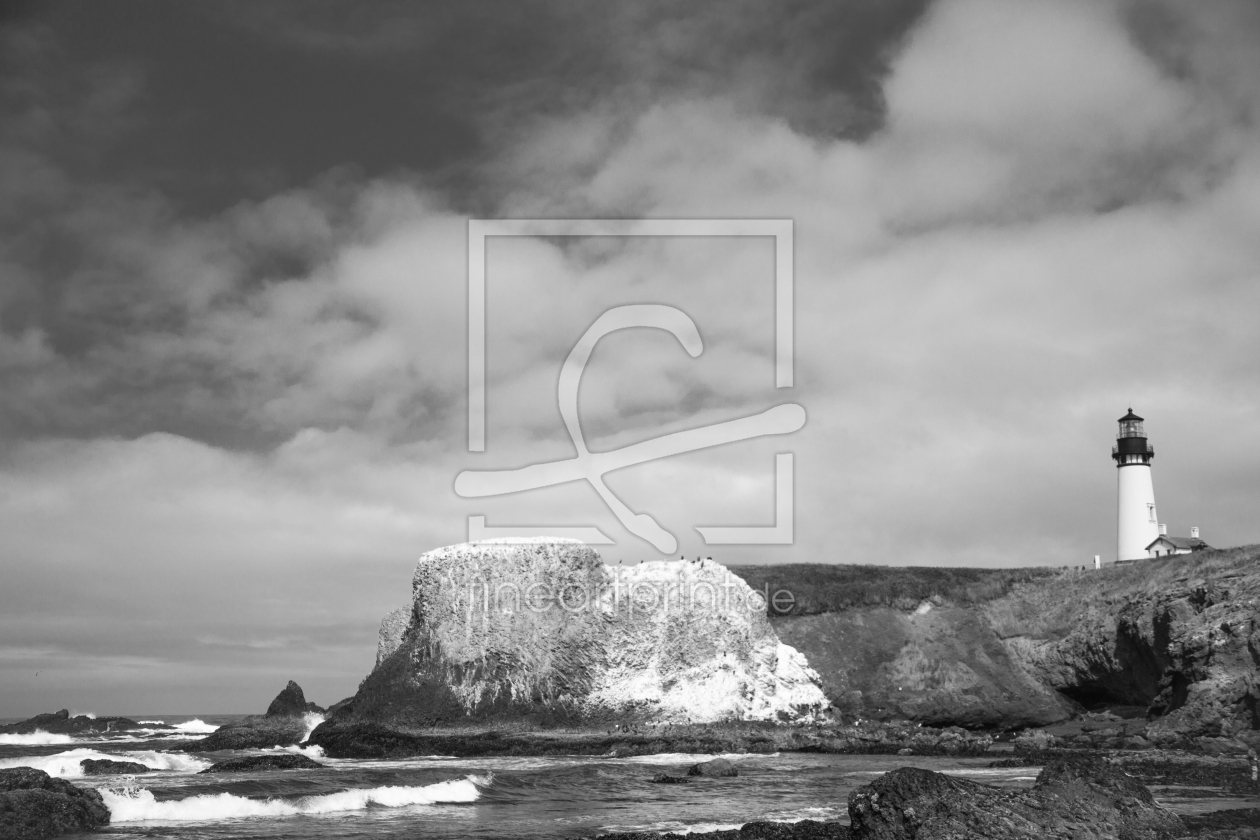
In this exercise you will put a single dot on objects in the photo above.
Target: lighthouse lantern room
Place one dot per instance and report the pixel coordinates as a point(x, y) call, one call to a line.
point(1137, 522)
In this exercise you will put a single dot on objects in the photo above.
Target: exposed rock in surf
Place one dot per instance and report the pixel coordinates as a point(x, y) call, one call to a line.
point(285, 761)
point(718, 767)
point(545, 632)
point(108, 767)
point(291, 702)
point(288, 721)
point(666, 779)
point(803, 830)
point(61, 723)
point(1083, 798)
point(35, 805)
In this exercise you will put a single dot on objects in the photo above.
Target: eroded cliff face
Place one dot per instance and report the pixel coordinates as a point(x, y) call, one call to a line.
point(1180, 636)
point(941, 665)
point(545, 631)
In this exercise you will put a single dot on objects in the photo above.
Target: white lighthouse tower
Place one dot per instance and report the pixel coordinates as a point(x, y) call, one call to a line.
point(1137, 523)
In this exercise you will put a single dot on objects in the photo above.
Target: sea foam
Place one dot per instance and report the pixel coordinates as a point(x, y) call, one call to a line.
point(196, 726)
point(34, 739)
point(66, 765)
point(312, 720)
point(139, 804)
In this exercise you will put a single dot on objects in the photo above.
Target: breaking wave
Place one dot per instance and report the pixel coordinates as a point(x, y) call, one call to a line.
point(195, 726)
point(139, 804)
point(313, 719)
point(313, 751)
point(34, 739)
point(66, 765)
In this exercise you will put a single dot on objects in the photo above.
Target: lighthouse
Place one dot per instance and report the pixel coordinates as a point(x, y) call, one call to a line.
point(1137, 526)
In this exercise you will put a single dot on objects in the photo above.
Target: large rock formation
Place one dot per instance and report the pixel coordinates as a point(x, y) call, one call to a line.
point(289, 720)
point(35, 805)
point(545, 631)
point(1177, 636)
point(1180, 636)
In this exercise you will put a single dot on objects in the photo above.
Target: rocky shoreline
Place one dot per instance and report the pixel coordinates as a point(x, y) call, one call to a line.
point(358, 739)
point(1078, 796)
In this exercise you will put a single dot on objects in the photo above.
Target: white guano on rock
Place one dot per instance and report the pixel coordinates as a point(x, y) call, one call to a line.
point(545, 621)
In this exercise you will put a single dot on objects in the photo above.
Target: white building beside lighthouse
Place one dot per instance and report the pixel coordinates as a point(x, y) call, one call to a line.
point(1137, 524)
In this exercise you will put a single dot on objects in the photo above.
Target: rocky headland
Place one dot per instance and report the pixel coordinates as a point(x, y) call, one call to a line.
point(1162, 652)
point(540, 648)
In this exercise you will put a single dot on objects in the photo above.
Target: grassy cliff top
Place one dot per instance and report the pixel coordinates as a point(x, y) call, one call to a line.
point(821, 588)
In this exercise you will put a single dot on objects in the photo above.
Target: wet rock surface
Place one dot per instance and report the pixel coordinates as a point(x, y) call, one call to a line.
point(666, 779)
point(35, 805)
point(1232, 824)
point(1071, 799)
point(286, 761)
point(717, 768)
point(106, 767)
point(803, 830)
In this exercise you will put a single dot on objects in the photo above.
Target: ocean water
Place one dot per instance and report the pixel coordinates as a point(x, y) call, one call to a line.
point(445, 797)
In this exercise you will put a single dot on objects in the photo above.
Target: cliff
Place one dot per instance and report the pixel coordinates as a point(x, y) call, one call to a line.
point(545, 632)
point(1176, 637)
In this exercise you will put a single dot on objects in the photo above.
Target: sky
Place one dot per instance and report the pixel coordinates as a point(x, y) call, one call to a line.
point(234, 290)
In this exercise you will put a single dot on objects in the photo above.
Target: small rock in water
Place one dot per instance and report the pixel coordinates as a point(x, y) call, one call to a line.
point(666, 779)
point(287, 761)
point(106, 767)
point(291, 701)
point(719, 767)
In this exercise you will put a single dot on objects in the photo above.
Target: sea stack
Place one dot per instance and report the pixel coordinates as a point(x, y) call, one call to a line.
point(544, 631)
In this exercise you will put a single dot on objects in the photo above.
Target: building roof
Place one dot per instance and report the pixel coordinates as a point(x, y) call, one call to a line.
point(1130, 416)
point(1188, 543)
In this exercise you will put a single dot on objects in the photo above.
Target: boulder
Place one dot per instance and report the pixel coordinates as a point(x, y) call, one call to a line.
point(1083, 798)
point(106, 767)
point(291, 702)
point(283, 761)
point(34, 805)
point(718, 767)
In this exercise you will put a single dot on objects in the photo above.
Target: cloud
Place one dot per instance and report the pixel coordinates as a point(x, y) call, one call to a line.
point(227, 435)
